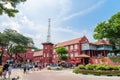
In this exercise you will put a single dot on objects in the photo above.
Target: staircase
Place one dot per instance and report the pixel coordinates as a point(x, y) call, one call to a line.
point(103, 60)
point(109, 61)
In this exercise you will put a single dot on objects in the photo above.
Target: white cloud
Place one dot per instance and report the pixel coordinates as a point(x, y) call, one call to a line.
point(11, 24)
point(32, 20)
point(85, 11)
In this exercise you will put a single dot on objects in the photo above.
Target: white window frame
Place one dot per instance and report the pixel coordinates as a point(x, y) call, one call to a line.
point(71, 55)
point(71, 47)
point(76, 46)
point(76, 54)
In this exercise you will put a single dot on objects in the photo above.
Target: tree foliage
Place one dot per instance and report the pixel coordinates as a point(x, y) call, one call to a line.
point(109, 30)
point(10, 11)
point(36, 49)
point(62, 51)
point(64, 57)
point(14, 42)
point(19, 48)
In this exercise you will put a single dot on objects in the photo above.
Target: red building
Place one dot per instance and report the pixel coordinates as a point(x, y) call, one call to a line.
point(47, 52)
point(26, 56)
point(74, 48)
point(38, 56)
point(20, 57)
point(80, 50)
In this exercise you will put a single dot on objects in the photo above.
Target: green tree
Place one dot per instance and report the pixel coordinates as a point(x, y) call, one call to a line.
point(10, 11)
point(62, 51)
point(109, 30)
point(10, 39)
point(19, 49)
point(36, 49)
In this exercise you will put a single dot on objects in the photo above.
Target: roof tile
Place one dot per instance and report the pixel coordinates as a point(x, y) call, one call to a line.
point(39, 53)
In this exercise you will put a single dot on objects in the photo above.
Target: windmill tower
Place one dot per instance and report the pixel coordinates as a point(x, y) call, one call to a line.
point(48, 46)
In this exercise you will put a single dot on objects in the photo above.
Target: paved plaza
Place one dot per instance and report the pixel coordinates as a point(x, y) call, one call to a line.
point(65, 74)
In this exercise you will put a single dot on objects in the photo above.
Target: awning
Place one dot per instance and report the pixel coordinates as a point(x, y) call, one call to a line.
point(82, 56)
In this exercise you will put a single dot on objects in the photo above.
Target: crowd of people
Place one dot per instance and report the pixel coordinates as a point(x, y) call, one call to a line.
point(32, 66)
point(28, 66)
point(25, 66)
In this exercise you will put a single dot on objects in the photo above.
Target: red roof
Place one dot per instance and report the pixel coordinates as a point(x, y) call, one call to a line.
point(66, 43)
point(101, 42)
point(39, 53)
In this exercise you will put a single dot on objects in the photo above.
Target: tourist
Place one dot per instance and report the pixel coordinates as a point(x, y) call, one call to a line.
point(39, 66)
point(25, 68)
point(36, 66)
point(9, 70)
point(5, 69)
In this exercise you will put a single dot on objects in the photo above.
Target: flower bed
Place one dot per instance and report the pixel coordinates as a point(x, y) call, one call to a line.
point(95, 72)
point(98, 70)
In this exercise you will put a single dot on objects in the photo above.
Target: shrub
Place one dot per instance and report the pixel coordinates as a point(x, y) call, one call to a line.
point(119, 67)
point(98, 70)
point(76, 71)
point(81, 66)
point(116, 68)
point(103, 67)
point(95, 72)
point(100, 67)
point(94, 66)
point(107, 67)
point(91, 66)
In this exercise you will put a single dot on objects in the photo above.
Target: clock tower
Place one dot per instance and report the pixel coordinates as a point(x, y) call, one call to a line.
point(48, 47)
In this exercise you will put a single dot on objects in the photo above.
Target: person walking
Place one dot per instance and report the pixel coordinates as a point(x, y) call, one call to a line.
point(25, 68)
point(9, 70)
point(5, 69)
point(39, 66)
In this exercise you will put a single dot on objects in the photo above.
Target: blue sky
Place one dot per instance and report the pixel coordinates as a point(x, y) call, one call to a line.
point(70, 18)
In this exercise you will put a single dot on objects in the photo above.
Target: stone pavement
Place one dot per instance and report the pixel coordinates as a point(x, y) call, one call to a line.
point(65, 74)
point(19, 73)
point(16, 73)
